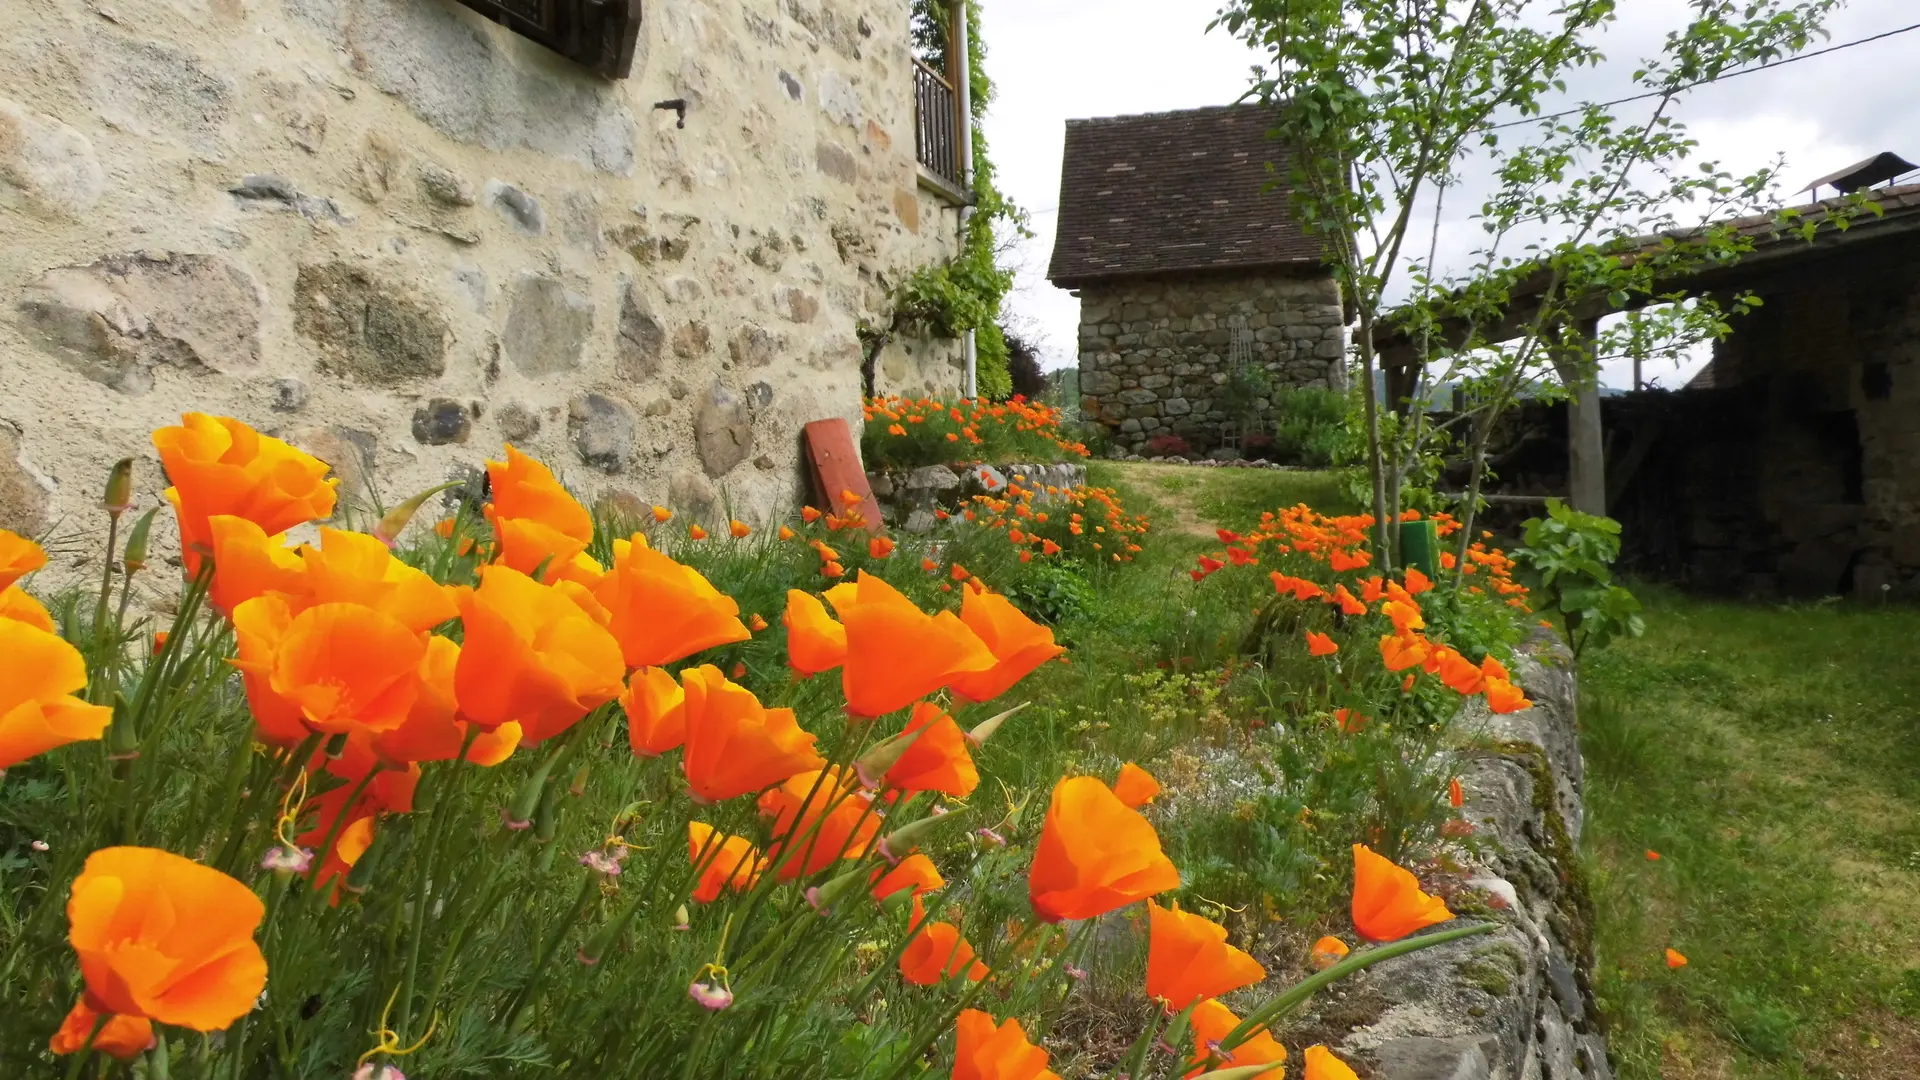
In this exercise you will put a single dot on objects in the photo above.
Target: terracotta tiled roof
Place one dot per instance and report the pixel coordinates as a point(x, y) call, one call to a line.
point(1164, 193)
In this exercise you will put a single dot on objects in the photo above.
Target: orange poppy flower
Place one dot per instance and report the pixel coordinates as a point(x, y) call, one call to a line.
point(1212, 1023)
point(1463, 676)
point(1402, 651)
point(936, 953)
point(736, 864)
point(833, 570)
point(983, 1051)
point(897, 654)
point(1652, 855)
point(1323, 1065)
point(786, 533)
point(836, 822)
point(929, 565)
point(1341, 561)
point(739, 529)
point(1319, 644)
point(1349, 605)
point(15, 604)
point(1405, 615)
point(142, 956)
point(938, 759)
point(1135, 786)
point(655, 706)
point(248, 563)
point(915, 872)
point(533, 656)
point(809, 515)
point(344, 667)
point(1371, 590)
point(19, 557)
point(218, 465)
point(433, 730)
point(39, 673)
point(355, 568)
point(734, 744)
point(535, 519)
point(1048, 547)
point(880, 547)
point(1327, 952)
point(1096, 854)
point(815, 642)
point(661, 610)
point(1493, 669)
point(1018, 645)
point(1188, 958)
point(1417, 582)
point(1505, 697)
point(1388, 903)
point(123, 1037)
point(1675, 959)
point(662, 515)
point(1456, 795)
point(695, 532)
point(1350, 721)
point(259, 626)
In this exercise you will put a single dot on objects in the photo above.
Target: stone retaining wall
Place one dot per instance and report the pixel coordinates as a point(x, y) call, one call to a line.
point(1154, 354)
point(1517, 1004)
point(908, 497)
point(397, 234)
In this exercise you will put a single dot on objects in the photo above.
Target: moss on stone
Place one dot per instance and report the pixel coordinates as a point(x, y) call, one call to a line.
point(1486, 975)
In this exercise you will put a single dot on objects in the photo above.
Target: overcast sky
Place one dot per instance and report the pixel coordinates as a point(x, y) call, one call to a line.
point(1052, 60)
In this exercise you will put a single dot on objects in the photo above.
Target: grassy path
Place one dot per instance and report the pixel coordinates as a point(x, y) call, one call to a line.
point(1771, 756)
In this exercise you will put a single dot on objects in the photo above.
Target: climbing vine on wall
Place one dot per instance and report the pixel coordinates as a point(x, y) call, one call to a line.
point(948, 299)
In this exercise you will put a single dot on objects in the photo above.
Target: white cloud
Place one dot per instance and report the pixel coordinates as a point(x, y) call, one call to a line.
point(1053, 60)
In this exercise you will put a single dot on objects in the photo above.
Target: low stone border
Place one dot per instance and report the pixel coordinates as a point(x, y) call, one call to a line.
point(908, 497)
point(1208, 463)
point(1517, 1004)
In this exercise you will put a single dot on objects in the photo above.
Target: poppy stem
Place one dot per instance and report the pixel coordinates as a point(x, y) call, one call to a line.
point(928, 1036)
point(423, 879)
point(544, 959)
point(1289, 1000)
point(81, 1055)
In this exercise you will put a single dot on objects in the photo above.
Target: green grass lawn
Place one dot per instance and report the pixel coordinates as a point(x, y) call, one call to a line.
point(1771, 756)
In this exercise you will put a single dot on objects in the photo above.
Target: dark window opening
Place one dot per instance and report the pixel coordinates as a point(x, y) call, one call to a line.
point(1876, 382)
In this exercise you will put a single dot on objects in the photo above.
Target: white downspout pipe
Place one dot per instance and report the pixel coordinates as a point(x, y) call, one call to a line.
point(963, 87)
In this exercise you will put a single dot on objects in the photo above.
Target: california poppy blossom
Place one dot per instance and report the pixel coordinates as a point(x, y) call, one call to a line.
point(1319, 644)
point(1327, 952)
point(39, 674)
point(1402, 651)
point(15, 604)
point(1652, 855)
point(248, 563)
point(433, 729)
point(695, 532)
point(532, 656)
point(937, 952)
point(817, 819)
point(1188, 958)
point(1675, 959)
point(535, 519)
point(1461, 675)
point(1135, 786)
point(1323, 1065)
point(786, 533)
point(936, 761)
point(880, 547)
point(983, 1051)
point(345, 667)
point(897, 654)
point(734, 744)
point(1505, 697)
point(1456, 795)
point(1017, 643)
point(1212, 1023)
point(219, 465)
point(1349, 604)
point(655, 706)
point(725, 862)
point(915, 872)
point(815, 642)
point(1095, 854)
point(1417, 582)
point(202, 972)
point(740, 530)
point(123, 1037)
point(19, 557)
point(1388, 903)
point(1350, 721)
point(660, 610)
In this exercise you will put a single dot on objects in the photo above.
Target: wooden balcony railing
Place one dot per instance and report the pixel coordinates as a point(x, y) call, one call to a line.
point(936, 135)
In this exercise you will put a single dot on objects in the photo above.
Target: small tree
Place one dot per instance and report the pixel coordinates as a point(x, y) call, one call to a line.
point(1384, 100)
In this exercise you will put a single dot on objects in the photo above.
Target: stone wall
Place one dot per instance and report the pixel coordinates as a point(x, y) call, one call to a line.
point(397, 234)
point(909, 497)
point(1154, 354)
point(1516, 1004)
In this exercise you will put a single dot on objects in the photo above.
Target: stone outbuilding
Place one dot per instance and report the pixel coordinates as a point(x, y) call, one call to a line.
point(1176, 233)
point(638, 241)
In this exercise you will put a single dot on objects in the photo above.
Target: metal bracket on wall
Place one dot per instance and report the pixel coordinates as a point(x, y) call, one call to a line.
point(596, 34)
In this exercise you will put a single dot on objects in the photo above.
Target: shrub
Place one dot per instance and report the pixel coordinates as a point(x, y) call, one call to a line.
point(1168, 445)
point(1316, 427)
point(1023, 367)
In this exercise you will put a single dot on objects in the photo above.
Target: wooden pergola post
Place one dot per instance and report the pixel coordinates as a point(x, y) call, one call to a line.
point(1579, 371)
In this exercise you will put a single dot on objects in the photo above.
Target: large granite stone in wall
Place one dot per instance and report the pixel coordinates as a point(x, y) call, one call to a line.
point(369, 329)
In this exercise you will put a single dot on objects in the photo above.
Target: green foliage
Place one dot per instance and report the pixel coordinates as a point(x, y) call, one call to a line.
point(1569, 558)
point(1317, 427)
point(1054, 592)
point(906, 433)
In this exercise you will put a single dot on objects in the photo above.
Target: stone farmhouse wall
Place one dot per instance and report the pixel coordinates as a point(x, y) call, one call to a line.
point(1153, 354)
point(397, 234)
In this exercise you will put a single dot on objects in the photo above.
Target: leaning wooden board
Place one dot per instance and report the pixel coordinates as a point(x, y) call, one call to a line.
point(835, 466)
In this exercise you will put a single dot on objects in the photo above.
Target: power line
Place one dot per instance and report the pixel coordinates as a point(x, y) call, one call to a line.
point(1702, 82)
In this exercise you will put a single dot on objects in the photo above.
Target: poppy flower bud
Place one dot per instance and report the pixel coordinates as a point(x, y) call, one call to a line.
point(579, 785)
point(984, 729)
point(872, 766)
point(900, 843)
point(681, 918)
point(519, 813)
point(546, 819)
point(135, 557)
point(394, 523)
point(361, 873)
point(123, 742)
point(119, 496)
point(823, 897)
